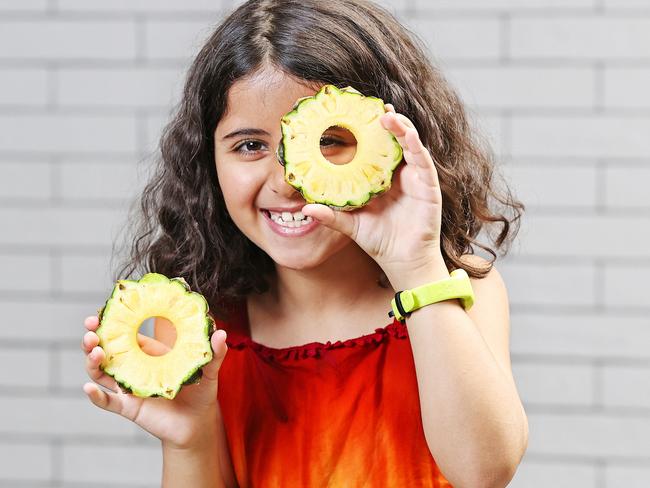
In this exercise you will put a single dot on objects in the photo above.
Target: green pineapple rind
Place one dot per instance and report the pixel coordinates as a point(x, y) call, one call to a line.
point(194, 374)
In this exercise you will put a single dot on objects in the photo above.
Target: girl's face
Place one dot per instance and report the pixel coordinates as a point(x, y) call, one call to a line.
point(252, 179)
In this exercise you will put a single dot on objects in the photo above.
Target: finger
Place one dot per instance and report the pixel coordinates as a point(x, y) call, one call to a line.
point(93, 360)
point(92, 322)
point(89, 341)
point(420, 156)
point(219, 349)
point(205, 392)
point(397, 124)
point(389, 107)
point(152, 346)
point(401, 120)
point(344, 222)
point(105, 400)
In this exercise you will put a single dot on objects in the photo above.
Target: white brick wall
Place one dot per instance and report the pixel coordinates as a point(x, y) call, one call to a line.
point(559, 87)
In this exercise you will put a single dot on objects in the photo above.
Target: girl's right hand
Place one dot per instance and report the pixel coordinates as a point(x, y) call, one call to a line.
point(189, 420)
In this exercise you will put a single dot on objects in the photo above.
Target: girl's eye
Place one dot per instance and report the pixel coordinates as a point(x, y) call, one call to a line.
point(249, 147)
point(329, 141)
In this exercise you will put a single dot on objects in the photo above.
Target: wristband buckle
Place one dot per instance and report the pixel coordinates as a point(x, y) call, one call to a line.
point(456, 286)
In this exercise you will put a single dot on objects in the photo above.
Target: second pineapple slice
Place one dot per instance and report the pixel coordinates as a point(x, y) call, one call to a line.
point(129, 305)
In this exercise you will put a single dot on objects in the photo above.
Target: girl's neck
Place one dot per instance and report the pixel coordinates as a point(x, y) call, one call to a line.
point(348, 279)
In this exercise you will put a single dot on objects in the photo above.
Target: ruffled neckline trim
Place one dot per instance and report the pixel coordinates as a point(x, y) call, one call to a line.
point(238, 340)
point(316, 349)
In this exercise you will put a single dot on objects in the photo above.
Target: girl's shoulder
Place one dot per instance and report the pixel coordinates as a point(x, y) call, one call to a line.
point(231, 317)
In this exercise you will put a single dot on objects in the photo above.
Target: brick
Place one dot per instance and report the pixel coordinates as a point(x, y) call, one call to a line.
point(61, 417)
point(133, 87)
point(588, 335)
point(588, 37)
point(67, 40)
point(130, 464)
point(554, 186)
point(145, 6)
point(72, 133)
point(590, 434)
point(24, 367)
point(25, 272)
point(451, 39)
point(72, 374)
point(623, 285)
point(23, 5)
point(47, 320)
point(542, 474)
point(541, 383)
point(21, 461)
point(154, 126)
point(84, 273)
point(174, 39)
point(501, 5)
point(626, 386)
point(581, 136)
point(626, 476)
point(585, 236)
point(627, 187)
point(60, 226)
point(623, 4)
point(626, 87)
point(31, 180)
point(119, 181)
point(491, 129)
point(543, 286)
point(25, 87)
point(514, 87)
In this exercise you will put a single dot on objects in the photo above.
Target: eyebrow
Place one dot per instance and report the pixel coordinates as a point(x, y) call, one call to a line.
point(246, 132)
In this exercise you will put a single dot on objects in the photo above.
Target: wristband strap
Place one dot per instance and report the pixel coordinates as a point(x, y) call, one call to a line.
point(456, 286)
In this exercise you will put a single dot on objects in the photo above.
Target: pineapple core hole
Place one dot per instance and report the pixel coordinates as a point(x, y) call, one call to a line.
point(338, 145)
point(165, 333)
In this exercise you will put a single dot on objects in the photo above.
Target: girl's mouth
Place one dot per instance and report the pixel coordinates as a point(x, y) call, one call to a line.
point(286, 224)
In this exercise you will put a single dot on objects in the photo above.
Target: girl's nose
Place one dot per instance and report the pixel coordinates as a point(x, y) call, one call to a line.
point(277, 182)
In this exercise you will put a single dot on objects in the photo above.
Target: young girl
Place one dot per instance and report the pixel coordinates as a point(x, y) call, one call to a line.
point(314, 384)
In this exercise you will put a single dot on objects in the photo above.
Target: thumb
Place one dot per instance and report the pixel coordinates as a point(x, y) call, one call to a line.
point(339, 220)
point(219, 348)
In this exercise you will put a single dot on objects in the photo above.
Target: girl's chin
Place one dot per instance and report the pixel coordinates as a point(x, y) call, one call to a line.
point(295, 262)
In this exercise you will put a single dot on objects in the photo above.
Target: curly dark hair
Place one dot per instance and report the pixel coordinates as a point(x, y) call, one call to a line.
point(182, 227)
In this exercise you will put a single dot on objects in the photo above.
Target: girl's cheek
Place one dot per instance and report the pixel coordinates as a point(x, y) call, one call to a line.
point(243, 183)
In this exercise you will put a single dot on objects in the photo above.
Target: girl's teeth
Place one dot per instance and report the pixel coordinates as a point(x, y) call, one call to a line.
point(288, 216)
point(287, 219)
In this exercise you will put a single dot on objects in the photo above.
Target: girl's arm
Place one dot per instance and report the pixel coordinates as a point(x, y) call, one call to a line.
point(473, 419)
point(205, 464)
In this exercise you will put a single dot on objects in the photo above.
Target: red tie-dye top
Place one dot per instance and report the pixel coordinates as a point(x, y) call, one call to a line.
point(342, 413)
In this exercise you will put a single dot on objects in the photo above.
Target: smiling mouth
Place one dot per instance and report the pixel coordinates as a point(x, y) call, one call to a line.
point(288, 219)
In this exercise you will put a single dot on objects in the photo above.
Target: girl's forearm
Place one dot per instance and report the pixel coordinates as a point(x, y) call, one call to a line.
point(191, 467)
point(473, 419)
point(205, 465)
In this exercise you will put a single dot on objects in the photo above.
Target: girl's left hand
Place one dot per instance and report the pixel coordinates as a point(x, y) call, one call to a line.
point(401, 228)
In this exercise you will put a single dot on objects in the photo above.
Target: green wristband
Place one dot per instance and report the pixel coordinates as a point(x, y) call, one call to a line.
point(456, 286)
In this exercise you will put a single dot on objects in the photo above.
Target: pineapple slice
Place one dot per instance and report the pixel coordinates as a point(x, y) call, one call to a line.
point(347, 186)
point(132, 302)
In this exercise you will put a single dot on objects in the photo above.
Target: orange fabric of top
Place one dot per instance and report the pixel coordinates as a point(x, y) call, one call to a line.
point(342, 413)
